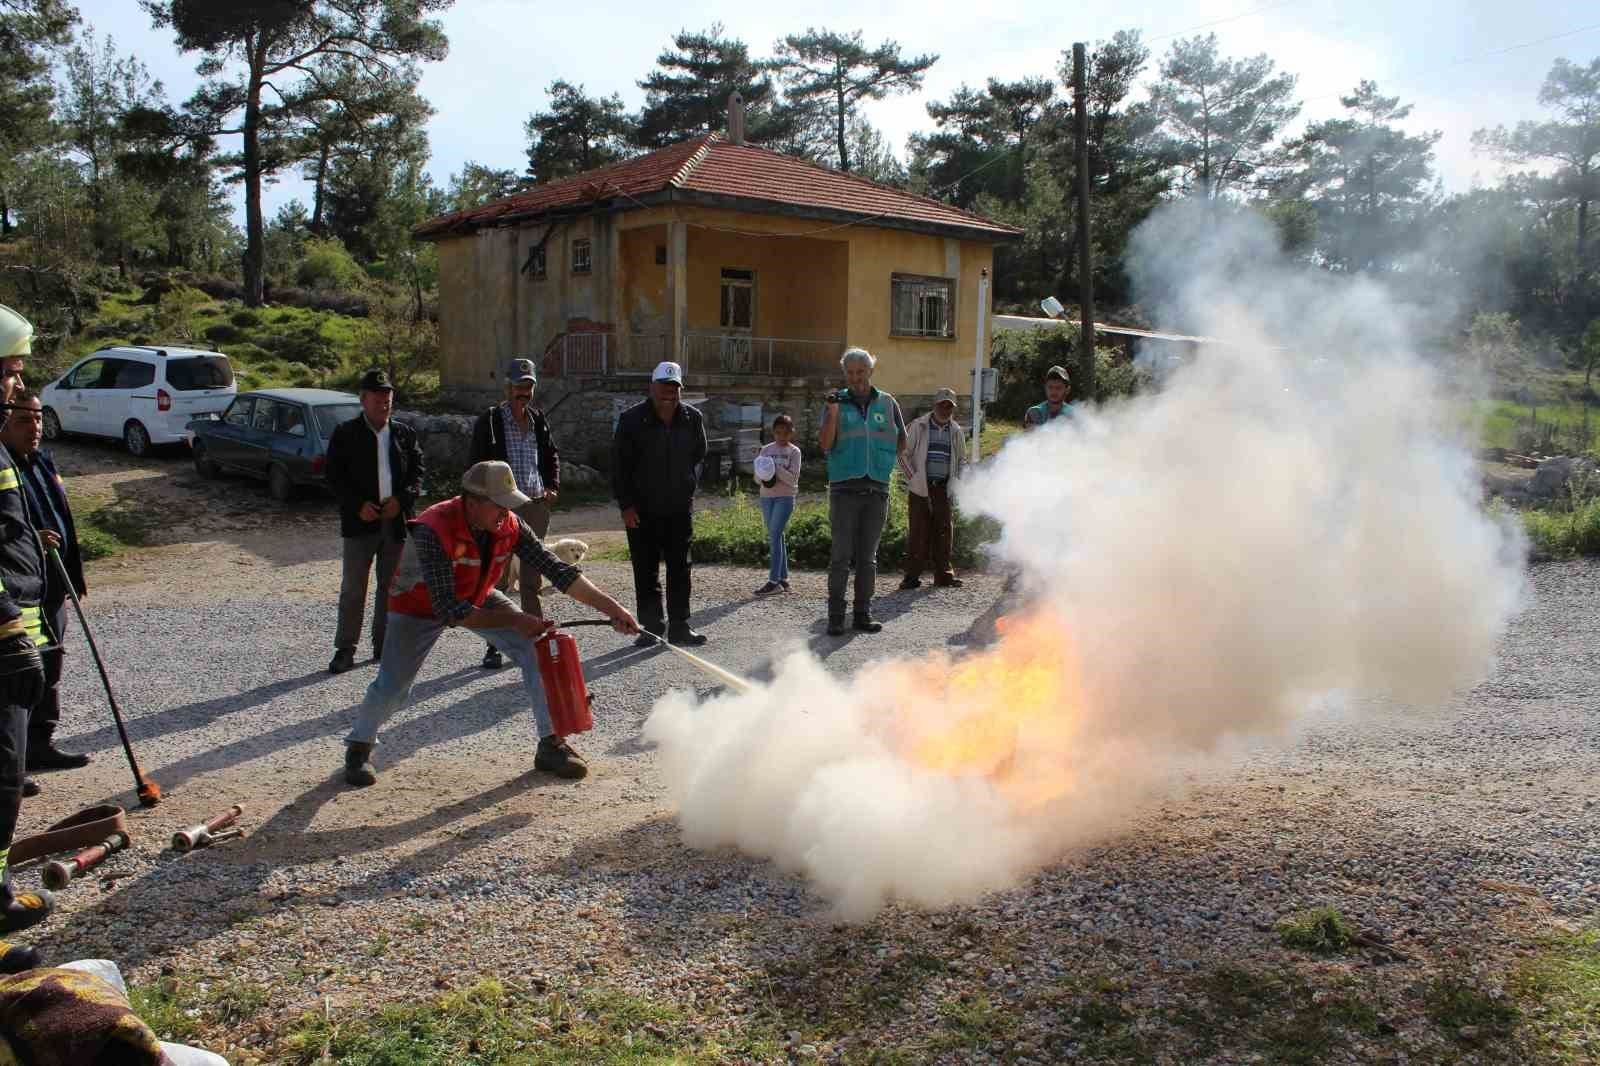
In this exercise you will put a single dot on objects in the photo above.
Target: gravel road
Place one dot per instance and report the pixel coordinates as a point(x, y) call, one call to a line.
point(1461, 830)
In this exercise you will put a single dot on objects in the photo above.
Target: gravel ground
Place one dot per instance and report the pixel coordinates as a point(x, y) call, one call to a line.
point(1450, 838)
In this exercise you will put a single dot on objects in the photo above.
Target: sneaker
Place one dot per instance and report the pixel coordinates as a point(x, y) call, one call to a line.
point(911, 582)
point(15, 958)
point(769, 588)
point(836, 627)
point(684, 637)
point(865, 624)
point(492, 660)
point(24, 909)
point(951, 582)
point(785, 584)
point(358, 769)
point(343, 659)
point(49, 757)
point(555, 756)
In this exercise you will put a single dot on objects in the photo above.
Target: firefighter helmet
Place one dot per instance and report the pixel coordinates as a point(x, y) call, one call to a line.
point(16, 334)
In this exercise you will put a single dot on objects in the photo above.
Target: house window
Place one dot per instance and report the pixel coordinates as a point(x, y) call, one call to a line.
point(661, 255)
point(739, 300)
point(922, 306)
point(580, 256)
point(534, 267)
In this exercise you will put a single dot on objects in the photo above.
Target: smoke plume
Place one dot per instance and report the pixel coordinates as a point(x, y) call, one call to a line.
point(1293, 513)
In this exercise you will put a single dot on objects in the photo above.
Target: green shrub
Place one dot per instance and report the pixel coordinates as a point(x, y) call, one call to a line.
point(1022, 356)
point(245, 318)
point(327, 265)
point(222, 333)
point(1319, 929)
point(1565, 533)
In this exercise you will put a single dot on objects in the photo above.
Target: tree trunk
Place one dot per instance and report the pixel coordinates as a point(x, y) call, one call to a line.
point(844, 152)
point(317, 190)
point(5, 215)
point(255, 249)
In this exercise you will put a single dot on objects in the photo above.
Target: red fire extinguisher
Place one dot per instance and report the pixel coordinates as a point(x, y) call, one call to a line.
point(561, 673)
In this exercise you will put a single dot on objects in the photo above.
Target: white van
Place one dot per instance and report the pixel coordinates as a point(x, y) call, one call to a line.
point(145, 395)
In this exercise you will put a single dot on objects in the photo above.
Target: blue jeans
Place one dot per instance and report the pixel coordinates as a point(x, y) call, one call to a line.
point(776, 511)
point(407, 644)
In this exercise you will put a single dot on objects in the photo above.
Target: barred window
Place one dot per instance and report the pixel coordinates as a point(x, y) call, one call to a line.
point(580, 256)
point(922, 306)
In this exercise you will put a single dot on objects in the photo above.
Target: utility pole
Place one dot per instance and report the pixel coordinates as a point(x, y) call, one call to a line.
point(1083, 386)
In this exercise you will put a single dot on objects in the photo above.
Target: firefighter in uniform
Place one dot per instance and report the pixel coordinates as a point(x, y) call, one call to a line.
point(22, 586)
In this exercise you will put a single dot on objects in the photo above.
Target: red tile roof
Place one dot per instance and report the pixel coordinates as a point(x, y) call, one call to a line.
point(712, 171)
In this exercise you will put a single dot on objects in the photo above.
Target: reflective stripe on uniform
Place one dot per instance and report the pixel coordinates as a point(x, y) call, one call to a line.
point(8, 478)
point(32, 619)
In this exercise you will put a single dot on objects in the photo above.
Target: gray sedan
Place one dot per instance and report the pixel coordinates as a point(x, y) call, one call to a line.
point(278, 434)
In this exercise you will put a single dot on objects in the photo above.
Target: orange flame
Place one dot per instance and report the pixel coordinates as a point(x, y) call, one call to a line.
point(1009, 714)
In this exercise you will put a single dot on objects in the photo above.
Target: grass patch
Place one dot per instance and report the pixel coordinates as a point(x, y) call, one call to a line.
point(1560, 993)
point(1458, 1003)
point(1321, 930)
point(1561, 427)
point(490, 1023)
point(169, 1007)
point(1561, 534)
point(994, 434)
point(108, 530)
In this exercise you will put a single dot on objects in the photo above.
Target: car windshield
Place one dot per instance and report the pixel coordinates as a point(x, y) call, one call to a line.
point(199, 372)
point(329, 417)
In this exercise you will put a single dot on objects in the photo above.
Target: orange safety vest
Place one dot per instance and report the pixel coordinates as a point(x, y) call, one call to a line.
point(408, 592)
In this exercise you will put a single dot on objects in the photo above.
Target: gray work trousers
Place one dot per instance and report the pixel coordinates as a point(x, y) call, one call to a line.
point(359, 553)
point(537, 514)
point(855, 520)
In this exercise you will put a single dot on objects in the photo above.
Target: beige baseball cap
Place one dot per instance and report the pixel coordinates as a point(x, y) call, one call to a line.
point(494, 480)
point(945, 395)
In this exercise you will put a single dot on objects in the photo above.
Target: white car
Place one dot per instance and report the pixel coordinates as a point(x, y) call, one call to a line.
point(145, 395)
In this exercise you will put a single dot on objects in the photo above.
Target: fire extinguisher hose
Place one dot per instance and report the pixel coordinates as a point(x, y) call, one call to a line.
point(727, 677)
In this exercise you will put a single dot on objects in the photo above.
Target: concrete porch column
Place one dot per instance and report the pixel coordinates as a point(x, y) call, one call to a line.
point(677, 286)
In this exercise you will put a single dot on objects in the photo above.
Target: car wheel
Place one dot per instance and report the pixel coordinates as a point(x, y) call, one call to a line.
point(52, 425)
point(137, 438)
point(203, 465)
point(278, 483)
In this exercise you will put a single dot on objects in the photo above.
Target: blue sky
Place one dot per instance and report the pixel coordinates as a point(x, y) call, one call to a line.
point(1448, 57)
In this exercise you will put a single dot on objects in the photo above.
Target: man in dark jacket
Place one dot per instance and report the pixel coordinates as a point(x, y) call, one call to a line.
point(375, 469)
point(656, 455)
point(516, 433)
point(22, 633)
point(52, 518)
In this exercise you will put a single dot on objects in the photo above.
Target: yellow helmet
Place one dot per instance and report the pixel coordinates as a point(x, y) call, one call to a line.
point(16, 334)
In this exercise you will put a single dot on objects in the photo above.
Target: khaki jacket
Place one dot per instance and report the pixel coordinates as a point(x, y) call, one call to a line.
point(914, 459)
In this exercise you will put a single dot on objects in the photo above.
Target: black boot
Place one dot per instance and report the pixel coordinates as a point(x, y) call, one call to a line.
point(492, 660)
point(358, 769)
point(20, 910)
point(14, 958)
point(46, 756)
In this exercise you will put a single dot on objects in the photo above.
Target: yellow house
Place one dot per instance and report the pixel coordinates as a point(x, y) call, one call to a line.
point(753, 269)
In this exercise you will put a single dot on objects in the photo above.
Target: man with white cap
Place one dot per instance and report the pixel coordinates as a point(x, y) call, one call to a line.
point(517, 433)
point(656, 456)
point(22, 633)
point(446, 577)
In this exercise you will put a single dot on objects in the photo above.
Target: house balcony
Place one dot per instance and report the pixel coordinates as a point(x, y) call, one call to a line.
point(702, 353)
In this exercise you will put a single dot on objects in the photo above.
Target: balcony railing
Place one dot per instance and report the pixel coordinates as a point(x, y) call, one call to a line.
point(703, 352)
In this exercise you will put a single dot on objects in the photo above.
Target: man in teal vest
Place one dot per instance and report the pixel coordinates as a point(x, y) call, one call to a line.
point(862, 433)
point(1057, 388)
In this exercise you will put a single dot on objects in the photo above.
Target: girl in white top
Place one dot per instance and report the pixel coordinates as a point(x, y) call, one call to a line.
point(778, 499)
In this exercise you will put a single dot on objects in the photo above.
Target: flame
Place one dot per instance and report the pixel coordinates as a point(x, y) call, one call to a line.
point(1009, 714)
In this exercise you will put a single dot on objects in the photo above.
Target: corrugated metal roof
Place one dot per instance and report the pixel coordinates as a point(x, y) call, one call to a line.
point(711, 170)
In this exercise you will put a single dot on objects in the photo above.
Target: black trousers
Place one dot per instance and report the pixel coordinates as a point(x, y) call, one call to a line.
point(658, 539)
point(21, 684)
point(47, 715)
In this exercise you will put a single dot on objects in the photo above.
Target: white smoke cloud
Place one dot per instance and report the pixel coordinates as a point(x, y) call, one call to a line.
point(1292, 514)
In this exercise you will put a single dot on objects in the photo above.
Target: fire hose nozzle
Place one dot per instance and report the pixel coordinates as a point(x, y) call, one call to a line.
point(58, 875)
point(198, 836)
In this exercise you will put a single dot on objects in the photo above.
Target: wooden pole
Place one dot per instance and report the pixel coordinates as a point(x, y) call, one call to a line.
point(1083, 387)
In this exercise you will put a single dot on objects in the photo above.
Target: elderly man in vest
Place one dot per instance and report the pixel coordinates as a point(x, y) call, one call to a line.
point(933, 456)
point(862, 433)
point(1057, 387)
point(446, 577)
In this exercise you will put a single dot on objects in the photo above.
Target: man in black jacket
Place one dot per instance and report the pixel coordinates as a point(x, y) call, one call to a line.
point(656, 455)
point(375, 469)
point(516, 433)
point(52, 518)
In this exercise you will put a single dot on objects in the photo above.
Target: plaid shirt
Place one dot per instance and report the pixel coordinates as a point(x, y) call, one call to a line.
point(439, 573)
point(522, 453)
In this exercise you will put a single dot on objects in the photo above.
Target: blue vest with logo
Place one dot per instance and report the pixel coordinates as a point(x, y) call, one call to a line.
point(865, 447)
point(1039, 413)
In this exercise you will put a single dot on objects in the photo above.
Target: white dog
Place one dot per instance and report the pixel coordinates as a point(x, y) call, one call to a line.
point(568, 549)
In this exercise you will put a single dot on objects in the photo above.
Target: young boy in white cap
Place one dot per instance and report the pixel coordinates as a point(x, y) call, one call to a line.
point(446, 577)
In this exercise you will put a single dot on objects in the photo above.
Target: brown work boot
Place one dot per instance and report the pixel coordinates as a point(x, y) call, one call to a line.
point(555, 756)
point(358, 769)
point(20, 910)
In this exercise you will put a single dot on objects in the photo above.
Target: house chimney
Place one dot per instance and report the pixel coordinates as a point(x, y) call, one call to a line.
point(736, 119)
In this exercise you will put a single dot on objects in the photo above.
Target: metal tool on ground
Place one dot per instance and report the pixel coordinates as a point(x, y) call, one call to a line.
point(58, 875)
point(148, 791)
point(207, 833)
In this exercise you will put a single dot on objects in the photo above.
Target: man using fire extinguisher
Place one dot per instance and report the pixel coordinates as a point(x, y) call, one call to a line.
point(446, 577)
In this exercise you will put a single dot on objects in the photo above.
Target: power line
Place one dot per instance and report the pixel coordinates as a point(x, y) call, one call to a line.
point(1219, 22)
